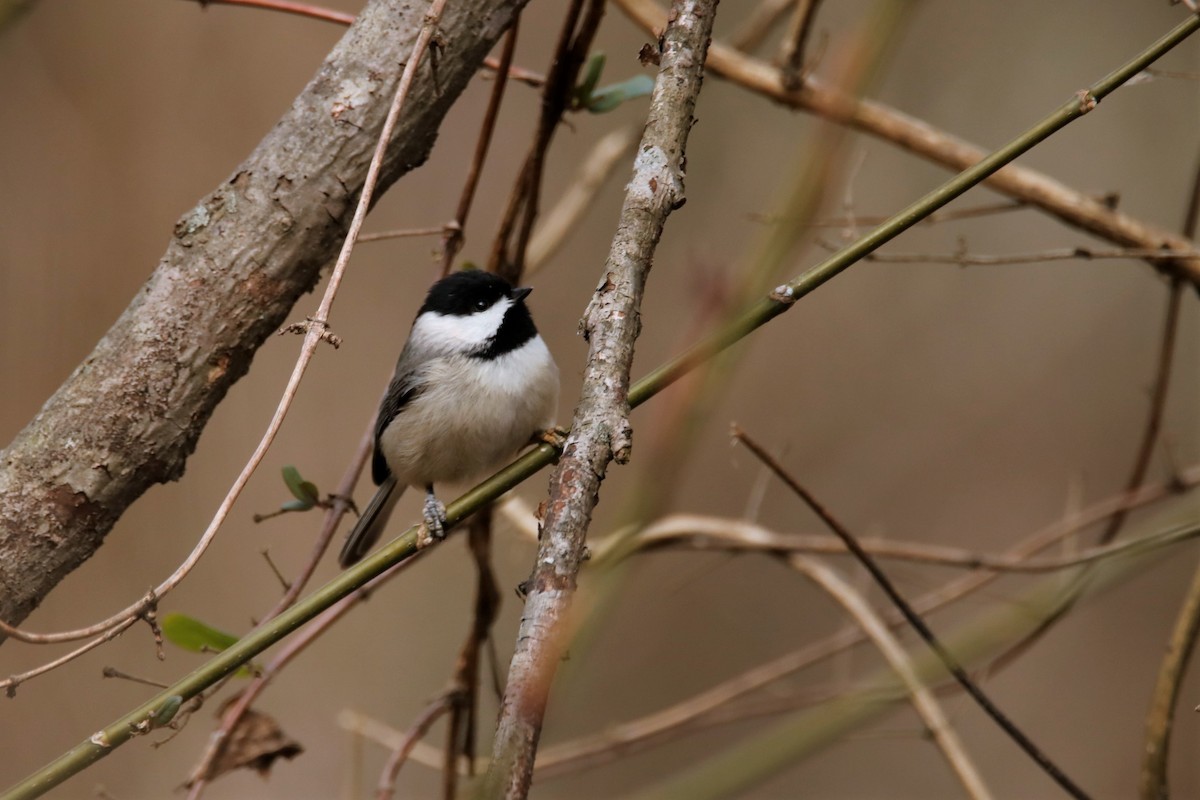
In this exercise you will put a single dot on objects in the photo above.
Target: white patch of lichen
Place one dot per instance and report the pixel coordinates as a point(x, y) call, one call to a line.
point(355, 93)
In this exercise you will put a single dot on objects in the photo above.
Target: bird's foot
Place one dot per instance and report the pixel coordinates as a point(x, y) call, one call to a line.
point(434, 514)
point(556, 437)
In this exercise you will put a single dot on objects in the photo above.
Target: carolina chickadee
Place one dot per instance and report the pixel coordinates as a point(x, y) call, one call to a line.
point(473, 384)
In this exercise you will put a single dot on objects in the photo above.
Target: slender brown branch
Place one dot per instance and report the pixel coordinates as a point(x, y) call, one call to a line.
point(1018, 182)
point(452, 239)
point(1158, 403)
point(283, 582)
point(341, 18)
point(1160, 719)
point(201, 774)
point(925, 704)
point(915, 620)
point(708, 533)
point(560, 221)
point(794, 69)
point(964, 259)
point(287, 7)
point(460, 736)
point(518, 74)
point(420, 726)
point(1171, 73)
point(758, 24)
point(236, 711)
point(852, 222)
point(402, 233)
point(1153, 779)
point(693, 712)
point(10, 684)
point(1151, 432)
point(600, 432)
point(575, 40)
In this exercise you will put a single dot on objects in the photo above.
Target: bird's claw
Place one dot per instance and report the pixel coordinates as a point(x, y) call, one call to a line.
point(556, 437)
point(434, 514)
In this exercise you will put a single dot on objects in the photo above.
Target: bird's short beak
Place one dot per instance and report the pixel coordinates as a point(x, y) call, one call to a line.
point(521, 293)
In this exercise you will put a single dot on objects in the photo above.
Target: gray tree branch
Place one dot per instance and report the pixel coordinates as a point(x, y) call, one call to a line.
point(131, 413)
point(600, 431)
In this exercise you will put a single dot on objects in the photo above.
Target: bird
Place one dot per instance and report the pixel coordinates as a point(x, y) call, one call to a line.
point(474, 383)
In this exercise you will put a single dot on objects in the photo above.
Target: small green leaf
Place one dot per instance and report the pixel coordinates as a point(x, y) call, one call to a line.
point(296, 505)
point(609, 97)
point(591, 76)
point(192, 634)
point(302, 490)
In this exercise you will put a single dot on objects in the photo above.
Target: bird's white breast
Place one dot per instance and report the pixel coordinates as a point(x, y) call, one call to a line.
point(471, 414)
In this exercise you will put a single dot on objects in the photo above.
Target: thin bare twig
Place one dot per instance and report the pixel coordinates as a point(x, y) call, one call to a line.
point(283, 582)
point(560, 221)
point(518, 74)
point(946, 215)
point(719, 533)
point(1160, 718)
point(288, 7)
point(464, 696)
point(965, 259)
point(402, 233)
point(452, 239)
point(914, 619)
point(758, 24)
point(575, 40)
point(794, 69)
point(201, 774)
point(1018, 182)
point(341, 18)
point(923, 700)
point(420, 726)
point(692, 713)
point(1170, 73)
point(10, 684)
point(236, 711)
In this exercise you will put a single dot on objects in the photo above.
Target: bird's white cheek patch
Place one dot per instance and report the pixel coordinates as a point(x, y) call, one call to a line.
point(446, 331)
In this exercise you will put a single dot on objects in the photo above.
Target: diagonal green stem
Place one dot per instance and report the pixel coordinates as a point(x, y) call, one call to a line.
point(136, 722)
point(783, 298)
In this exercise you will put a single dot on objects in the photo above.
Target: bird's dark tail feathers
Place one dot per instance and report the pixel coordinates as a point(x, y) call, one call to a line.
point(374, 518)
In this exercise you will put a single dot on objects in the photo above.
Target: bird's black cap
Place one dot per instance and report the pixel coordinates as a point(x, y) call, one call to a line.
point(469, 292)
point(473, 291)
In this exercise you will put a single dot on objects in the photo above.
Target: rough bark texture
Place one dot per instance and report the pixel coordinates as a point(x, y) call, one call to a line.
point(130, 414)
point(600, 431)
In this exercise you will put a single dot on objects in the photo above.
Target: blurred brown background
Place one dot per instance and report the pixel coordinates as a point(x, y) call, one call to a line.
point(923, 402)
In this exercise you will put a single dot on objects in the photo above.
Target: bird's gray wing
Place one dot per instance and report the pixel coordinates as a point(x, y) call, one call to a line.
point(406, 384)
point(399, 394)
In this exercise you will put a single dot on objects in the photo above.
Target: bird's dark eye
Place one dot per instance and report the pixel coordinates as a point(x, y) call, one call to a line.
point(481, 304)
